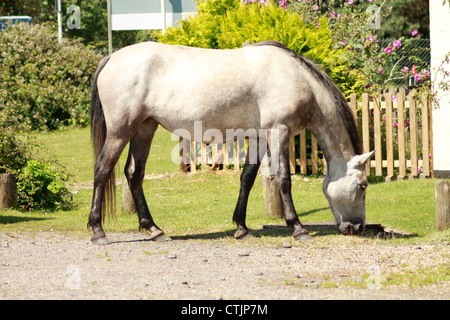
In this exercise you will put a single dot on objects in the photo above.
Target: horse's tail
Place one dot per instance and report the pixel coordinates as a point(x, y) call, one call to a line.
point(98, 136)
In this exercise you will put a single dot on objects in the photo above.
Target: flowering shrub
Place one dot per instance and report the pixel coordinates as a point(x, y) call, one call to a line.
point(44, 84)
point(229, 23)
point(351, 27)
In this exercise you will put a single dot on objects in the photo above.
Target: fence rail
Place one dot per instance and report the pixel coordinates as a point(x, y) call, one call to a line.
point(398, 128)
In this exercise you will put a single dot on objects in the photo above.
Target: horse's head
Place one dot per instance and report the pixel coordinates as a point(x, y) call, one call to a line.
point(346, 193)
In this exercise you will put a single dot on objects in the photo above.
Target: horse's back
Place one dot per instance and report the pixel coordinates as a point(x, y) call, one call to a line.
point(176, 85)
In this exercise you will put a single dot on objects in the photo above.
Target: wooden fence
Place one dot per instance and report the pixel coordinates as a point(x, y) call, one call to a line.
point(398, 128)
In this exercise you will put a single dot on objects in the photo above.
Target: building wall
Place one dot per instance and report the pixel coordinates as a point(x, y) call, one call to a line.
point(440, 46)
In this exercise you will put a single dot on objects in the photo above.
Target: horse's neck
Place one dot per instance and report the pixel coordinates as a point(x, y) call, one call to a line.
point(333, 137)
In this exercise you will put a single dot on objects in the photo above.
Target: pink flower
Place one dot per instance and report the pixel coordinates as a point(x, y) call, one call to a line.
point(395, 124)
point(332, 14)
point(414, 33)
point(315, 7)
point(388, 50)
point(283, 3)
point(380, 70)
point(405, 70)
point(426, 73)
point(394, 98)
point(372, 38)
point(350, 1)
point(397, 44)
point(344, 42)
point(417, 76)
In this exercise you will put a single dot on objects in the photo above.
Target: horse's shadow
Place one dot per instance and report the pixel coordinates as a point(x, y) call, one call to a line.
point(316, 229)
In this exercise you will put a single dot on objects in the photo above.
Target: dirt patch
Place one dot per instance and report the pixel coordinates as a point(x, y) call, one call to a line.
point(54, 266)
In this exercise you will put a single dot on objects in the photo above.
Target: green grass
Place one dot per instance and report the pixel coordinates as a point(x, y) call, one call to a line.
point(200, 206)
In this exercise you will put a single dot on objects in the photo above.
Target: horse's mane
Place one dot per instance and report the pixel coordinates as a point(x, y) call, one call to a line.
point(341, 102)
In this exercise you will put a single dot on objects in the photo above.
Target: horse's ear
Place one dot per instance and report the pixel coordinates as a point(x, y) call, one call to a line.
point(361, 159)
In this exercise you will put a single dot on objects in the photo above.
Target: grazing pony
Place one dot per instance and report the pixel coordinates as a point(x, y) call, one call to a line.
point(263, 86)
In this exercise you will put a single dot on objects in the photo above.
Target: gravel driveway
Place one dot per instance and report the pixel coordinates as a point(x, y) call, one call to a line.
point(54, 266)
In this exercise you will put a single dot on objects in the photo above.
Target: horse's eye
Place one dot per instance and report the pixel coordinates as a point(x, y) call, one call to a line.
point(362, 186)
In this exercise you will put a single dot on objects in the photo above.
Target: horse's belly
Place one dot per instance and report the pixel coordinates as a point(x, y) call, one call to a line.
point(211, 124)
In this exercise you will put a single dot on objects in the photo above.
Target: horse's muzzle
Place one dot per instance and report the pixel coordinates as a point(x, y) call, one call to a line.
point(348, 228)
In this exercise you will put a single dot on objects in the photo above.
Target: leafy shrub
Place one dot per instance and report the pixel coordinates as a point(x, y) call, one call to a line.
point(228, 24)
point(14, 152)
point(40, 184)
point(44, 84)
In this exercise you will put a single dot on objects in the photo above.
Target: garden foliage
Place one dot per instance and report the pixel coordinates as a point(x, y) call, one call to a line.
point(42, 186)
point(41, 183)
point(44, 84)
point(227, 24)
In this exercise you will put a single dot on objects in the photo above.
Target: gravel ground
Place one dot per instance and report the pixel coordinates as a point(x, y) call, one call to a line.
point(54, 266)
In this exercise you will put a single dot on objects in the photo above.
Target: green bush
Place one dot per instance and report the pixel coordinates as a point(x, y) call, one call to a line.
point(227, 24)
point(41, 184)
point(44, 84)
point(14, 152)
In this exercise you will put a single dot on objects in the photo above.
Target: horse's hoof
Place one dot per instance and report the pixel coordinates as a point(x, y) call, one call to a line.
point(242, 234)
point(100, 241)
point(303, 237)
point(160, 237)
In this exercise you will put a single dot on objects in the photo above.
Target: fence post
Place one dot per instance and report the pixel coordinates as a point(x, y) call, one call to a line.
point(377, 136)
point(389, 138)
point(401, 135)
point(236, 164)
point(204, 157)
point(183, 155)
point(127, 199)
point(442, 194)
point(225, 155)
point(425, 139)
point(271, 191)
point(413, 134)
point(365, 127)
point(8, 191)
point(193, 157)
point(353, 104)
point(303, 160)
point(292, 154)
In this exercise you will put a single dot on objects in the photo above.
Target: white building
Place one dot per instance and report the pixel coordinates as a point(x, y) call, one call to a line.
point(440, 46)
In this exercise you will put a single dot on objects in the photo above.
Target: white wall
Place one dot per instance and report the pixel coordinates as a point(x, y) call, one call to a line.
point(440, 46)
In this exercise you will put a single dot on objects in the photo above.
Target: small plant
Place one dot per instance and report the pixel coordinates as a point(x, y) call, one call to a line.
point(41, 186)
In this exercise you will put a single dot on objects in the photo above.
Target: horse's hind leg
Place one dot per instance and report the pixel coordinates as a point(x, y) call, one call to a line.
point(104, 167)
point(247, 180)
point(134, 171)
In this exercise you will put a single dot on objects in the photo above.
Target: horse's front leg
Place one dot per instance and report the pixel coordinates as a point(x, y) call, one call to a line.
point(283, 180)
